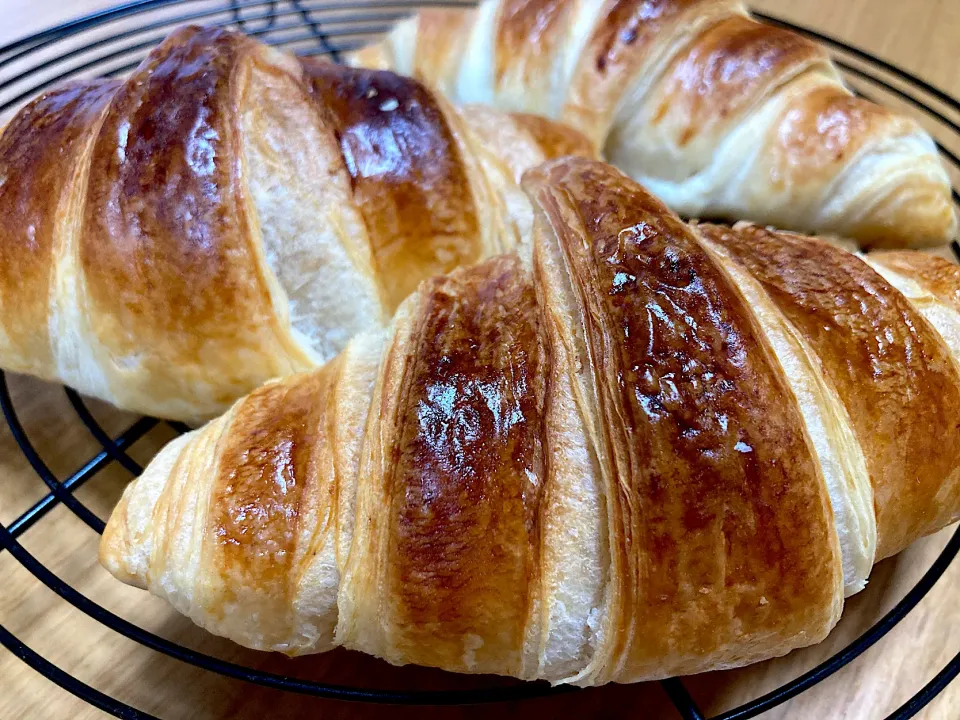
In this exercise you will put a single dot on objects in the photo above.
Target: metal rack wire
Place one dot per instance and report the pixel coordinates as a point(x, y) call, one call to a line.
point(113, 42)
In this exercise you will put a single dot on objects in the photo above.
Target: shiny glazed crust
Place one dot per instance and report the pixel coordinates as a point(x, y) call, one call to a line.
point(630, 455)
point(859, 325)
point(719, 115)
point(229, 214)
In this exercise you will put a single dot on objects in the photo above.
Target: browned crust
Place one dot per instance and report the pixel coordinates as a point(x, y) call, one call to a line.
point(528, 35)
point(409, 180)
point(890, 368)
point(818, 132)
point(721, 531)
point(555, 139)
point(274, 459)
point(167, 251)
point(625, 30)
point(726, 69)
point(938, 276)
point(618, 46)
point(463, 490)
point(41, 153)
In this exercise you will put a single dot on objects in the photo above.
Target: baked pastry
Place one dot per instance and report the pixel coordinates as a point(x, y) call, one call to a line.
point(653, 449)
point(719, 115)
point(229, 214)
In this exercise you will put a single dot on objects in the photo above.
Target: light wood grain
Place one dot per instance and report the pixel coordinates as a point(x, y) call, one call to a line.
point(918, 35)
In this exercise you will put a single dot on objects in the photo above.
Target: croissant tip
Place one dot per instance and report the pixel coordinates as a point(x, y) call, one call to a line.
point(114, 547)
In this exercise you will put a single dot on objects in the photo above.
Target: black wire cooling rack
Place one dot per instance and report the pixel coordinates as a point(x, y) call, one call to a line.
point(113, 42)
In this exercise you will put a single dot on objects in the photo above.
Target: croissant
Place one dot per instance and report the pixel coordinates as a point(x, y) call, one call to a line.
point(652, 449)
point(717, 114)
point(228, 214)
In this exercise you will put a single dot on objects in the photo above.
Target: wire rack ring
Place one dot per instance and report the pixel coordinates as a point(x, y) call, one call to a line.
point(113, 42)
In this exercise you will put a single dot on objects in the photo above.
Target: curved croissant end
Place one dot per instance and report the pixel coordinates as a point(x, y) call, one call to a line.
point(653, 449)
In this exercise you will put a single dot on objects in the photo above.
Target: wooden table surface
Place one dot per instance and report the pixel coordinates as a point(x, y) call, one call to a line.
point(920, 36)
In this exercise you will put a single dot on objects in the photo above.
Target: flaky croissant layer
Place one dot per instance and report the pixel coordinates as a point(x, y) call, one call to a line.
point(229, 214)
point(653, 449)
point(716, 113)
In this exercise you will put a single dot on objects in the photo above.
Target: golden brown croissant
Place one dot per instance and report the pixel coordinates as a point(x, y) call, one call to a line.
point(228, 214)
point(716, 113)
point(654, 449)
